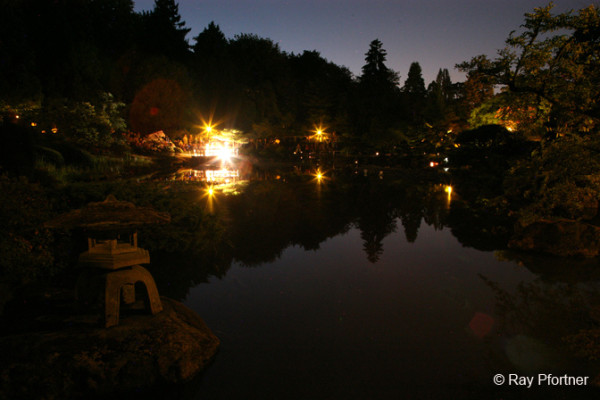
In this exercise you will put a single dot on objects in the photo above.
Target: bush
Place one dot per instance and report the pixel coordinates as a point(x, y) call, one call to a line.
point(561, 179)
point(95, 124)
point(26, 247)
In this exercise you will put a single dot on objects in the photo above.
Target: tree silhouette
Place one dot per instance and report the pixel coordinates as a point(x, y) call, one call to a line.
point(163, 31)
point(441, 99)
point(414, 93)
point(211, 42)
point(375, 72)
point(377, 97)
point(214, 73)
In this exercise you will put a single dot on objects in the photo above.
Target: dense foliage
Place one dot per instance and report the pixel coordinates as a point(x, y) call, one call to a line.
point(549, 76)
point(551, 67)
point(97, 58)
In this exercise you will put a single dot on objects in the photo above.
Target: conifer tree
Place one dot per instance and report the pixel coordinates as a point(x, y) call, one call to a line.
point(163, 31)
point(377, 97)
point(414, 93)
point(375, 72)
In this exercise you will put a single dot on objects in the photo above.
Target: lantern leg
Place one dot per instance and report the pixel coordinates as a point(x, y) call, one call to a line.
point(123, 281)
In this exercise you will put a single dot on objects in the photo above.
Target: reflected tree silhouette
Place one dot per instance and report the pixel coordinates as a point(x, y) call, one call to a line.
point(376, 217)
point(411, 211)
point(480, 225)
point(256, 225)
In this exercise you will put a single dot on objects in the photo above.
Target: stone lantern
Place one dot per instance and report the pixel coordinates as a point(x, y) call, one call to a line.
point(111, 266)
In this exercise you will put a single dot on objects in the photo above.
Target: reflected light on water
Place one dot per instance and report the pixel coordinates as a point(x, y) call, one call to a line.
point(210, 197)
point(448, 190)
point(221, 176)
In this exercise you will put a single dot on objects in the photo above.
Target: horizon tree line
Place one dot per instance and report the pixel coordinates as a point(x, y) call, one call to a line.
point(62, 54)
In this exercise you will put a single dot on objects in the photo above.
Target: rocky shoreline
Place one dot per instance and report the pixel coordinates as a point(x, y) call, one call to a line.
point(58, 353)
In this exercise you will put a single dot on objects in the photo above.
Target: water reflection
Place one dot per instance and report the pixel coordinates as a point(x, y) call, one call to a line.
point(390, 283)
point(220, 176)
point(546, 324)
point(305, 207)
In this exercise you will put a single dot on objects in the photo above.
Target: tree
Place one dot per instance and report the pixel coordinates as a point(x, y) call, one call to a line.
point(375, 71)
point(414, 93)
point(213, 72)
point(550, 74)
point(113, 25)
point(211, 42)
point(414, 84)
point(321, 90)
point(377, 103)
point(474, 91)
point(440, 98)
point(18, 78)
point(556, 59)
point(163, 31)
point(262, 78)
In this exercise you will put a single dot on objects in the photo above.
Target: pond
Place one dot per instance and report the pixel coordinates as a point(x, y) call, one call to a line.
point(372, 286)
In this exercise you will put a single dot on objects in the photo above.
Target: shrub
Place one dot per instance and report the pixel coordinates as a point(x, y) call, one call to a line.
point(26, 247)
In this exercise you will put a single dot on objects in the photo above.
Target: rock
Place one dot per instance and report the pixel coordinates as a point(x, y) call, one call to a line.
point(68, 356)
point(558, 237)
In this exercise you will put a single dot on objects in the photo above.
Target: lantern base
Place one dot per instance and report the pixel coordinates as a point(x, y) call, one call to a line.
point(109, 288)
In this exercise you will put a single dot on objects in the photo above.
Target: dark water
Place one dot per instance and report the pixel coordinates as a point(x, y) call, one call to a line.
point(368, 288)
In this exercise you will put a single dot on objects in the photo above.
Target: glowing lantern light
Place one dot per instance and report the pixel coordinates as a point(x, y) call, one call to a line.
point(319, 176)
point(319, 135)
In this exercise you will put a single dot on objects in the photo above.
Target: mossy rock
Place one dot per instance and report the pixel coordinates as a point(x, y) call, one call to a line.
point(63, 356)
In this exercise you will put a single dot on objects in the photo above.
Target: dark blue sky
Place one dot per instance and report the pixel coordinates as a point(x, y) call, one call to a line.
point(436, 33)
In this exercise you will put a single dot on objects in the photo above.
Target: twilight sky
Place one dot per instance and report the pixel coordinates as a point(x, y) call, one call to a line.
point(436, 33)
